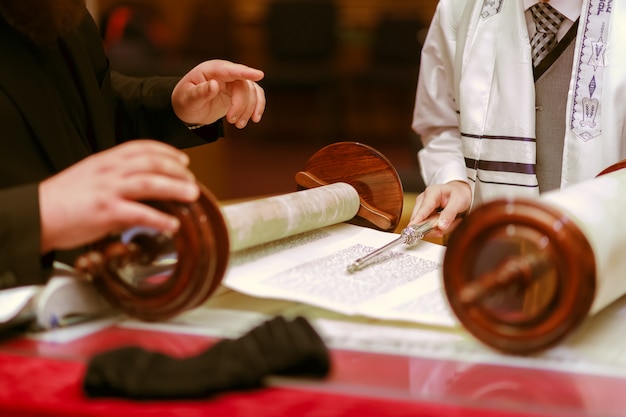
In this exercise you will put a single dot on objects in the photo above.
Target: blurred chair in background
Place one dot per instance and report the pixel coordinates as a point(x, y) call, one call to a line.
point(382, 94)
point(301, 71)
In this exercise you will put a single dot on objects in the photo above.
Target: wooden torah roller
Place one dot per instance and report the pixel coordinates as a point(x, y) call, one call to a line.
point(152, 276)
point(522, 274)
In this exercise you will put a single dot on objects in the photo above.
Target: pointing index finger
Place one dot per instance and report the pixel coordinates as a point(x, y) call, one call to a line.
point(229, 71)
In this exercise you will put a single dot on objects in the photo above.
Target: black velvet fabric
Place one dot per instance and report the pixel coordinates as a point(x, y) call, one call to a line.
point(275, 347)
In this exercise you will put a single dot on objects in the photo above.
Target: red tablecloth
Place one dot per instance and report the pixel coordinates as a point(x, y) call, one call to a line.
point(44, 379)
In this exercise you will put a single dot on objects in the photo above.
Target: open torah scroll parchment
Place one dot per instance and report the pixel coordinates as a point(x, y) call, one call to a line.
point(404, 284)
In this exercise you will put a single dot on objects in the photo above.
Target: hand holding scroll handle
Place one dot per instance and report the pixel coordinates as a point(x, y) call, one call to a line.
point(152, 276)
point(410, 235)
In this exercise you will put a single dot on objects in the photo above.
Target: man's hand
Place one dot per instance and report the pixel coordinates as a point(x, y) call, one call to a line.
point(452, 198)
point(102, 194)
point(216, 88)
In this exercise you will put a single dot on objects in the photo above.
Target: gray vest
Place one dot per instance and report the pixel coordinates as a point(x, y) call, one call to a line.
point(551, 101)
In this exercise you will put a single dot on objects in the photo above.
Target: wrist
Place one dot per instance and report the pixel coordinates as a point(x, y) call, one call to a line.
point(194, 126)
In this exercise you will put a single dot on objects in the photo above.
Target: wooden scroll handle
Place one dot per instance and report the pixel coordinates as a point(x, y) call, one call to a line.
point(519, 274)
point(515, 270)
point(141, 250)
point(368, 171)
point(152, 276)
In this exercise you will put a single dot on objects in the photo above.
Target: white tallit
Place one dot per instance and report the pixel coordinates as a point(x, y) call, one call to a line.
point(487, 53)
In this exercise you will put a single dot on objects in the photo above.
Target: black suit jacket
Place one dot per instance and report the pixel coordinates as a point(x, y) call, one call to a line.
point(35, 144)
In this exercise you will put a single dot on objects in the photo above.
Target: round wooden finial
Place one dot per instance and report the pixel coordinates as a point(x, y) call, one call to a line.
point(368, 171)
point(519, 275)
point(155, 277)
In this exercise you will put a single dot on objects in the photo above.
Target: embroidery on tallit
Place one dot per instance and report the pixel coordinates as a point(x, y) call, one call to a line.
point(490, 8)
point(586, 110)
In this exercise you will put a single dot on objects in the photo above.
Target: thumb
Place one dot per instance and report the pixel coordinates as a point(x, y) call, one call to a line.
point(206, 91)
point(446, 217)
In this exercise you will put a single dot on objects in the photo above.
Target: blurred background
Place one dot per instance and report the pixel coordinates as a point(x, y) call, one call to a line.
point(336, 70)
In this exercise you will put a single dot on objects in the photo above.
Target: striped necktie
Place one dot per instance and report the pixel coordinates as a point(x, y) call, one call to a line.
point(547, 21)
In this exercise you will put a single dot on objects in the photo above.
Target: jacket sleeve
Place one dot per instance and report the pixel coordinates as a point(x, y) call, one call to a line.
point(20, 231)
point(143, 109)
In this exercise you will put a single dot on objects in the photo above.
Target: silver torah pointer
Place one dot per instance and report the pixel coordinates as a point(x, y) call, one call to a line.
point(410, 235)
